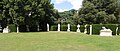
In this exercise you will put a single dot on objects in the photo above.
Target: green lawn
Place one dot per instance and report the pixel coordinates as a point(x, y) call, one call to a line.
point(57, 41)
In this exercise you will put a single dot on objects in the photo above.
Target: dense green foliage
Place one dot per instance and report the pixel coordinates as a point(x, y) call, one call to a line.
point(64, 27)
point(67, 17)
point(53, 28)
point(22, 28)
point(99, 11)
point(41, 12)
point(27, 12)
point(96, 29)
point(92, 12)
point(12, 28)
point(73, 28)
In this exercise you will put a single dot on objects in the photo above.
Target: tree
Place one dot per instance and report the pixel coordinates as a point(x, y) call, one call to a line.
point(67, 16)
point(26, 12)
point(118, 13)
point(99, 11)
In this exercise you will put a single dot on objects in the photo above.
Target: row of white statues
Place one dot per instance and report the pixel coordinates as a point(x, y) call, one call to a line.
point(103, 32)
point(68, 29)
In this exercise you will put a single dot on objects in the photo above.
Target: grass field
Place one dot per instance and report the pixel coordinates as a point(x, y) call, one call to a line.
point(57, 41)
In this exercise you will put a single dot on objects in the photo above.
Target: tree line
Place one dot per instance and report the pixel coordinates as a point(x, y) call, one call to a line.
point(41, 12)
point(26, 12)
point(96, 12)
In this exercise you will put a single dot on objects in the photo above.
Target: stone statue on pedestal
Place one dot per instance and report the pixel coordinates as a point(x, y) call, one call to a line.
point(58, 27)
point(85, 31)
point(68, 28)
point(78, 28)
point(47, 27)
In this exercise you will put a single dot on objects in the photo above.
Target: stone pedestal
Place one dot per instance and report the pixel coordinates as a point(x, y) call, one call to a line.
point(68, 28)
point(78, 28)
point(105, 32)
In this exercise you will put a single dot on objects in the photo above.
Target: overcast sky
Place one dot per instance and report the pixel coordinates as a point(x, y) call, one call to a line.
point(64, 5)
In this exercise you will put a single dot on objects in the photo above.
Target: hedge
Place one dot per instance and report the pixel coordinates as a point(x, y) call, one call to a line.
point(82, 28)
point(64, 28)
point(96, 29)
point(118, 32)
point(12, 28)
point(53, 28)
point(73, 28)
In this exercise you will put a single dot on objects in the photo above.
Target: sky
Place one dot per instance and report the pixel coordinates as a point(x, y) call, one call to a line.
point(65, 5)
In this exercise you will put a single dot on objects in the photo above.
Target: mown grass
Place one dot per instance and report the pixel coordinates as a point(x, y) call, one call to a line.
point(57, 41)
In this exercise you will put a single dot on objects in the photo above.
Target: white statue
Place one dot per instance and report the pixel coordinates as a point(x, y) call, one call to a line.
point(105, 32)
point(58, 27)
point(6, 30)
point(47, 27)
point(90, 29)
point(117, 30)
point(78, 28)
point(17, 29)
point(68, 28)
